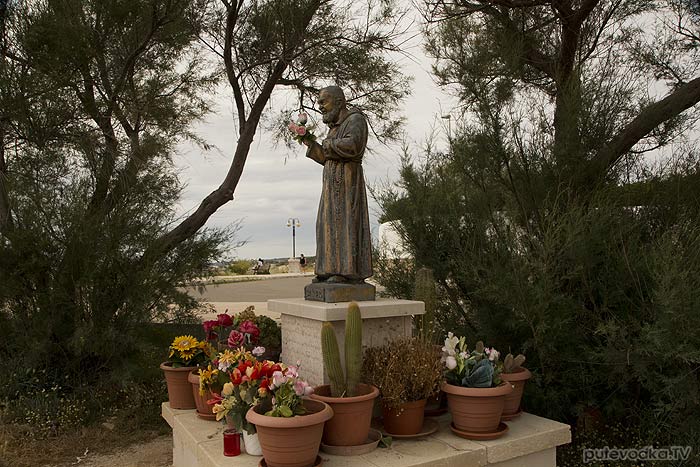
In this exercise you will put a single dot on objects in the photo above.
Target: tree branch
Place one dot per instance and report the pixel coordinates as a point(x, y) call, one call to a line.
point(682, 98)
point(231, 19)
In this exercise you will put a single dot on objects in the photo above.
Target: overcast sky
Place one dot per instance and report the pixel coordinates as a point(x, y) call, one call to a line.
point(278, 183)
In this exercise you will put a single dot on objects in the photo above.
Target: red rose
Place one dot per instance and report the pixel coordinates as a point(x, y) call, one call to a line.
point(225, 320)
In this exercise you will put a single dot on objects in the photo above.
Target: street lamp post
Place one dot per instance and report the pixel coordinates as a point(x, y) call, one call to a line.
point(293, 222)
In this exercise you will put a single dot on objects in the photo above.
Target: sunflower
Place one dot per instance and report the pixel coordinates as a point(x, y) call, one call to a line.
point(184, 343)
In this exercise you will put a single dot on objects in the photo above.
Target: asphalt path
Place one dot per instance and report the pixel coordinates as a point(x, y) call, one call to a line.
point(253, 291)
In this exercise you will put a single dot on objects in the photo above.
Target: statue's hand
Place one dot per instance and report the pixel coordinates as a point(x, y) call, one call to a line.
point(326, 145)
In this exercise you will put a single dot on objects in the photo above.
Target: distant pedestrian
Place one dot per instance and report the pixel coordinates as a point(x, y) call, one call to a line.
point(302, 260)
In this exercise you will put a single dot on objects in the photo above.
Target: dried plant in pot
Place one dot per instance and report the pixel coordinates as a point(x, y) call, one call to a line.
point(406, 373)
point(351, 401)
point(514, 373)
point(475, 393)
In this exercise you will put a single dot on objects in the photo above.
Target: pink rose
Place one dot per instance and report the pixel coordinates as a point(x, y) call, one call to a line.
point(235, 339)
point(301, 131)
point(292, 126)
point(248, 327)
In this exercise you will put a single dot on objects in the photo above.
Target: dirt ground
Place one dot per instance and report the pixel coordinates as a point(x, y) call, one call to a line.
point(155, 453)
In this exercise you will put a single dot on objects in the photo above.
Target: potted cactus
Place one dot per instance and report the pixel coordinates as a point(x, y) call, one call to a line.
point(514, 373)
point(351, 401)
point(475, 393)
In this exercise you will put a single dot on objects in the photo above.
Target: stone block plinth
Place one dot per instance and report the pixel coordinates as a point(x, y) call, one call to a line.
point(531, 441)
point(382, 321)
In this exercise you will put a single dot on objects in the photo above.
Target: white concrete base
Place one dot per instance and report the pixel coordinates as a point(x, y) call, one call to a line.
point(382, 321)
point(294, 266)
point(531, 441)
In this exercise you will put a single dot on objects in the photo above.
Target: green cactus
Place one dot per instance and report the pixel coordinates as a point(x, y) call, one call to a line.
point(511, 365)
point(425, 292)
point(340, 385)
point(353, 348)
point(331, 359)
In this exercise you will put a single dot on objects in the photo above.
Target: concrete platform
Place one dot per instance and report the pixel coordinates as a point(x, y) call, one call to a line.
point(531, 441)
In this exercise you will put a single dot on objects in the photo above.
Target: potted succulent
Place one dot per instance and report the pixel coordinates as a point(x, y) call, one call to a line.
point(186, 354)
point(406, 373)
point(289, 425)
point(514, 373)
point(475, 393)
point(351, 401)
point(248, 385)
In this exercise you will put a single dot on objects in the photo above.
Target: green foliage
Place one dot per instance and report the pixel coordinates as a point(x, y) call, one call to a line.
point(240, 266)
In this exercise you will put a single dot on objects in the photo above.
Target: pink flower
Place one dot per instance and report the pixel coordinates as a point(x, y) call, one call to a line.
point(210, 325)
point(292, 126)
point(303, 118)
point(301, 131)
point(258, 351)
point(300, 387)
point(235, 339)
point(225, 320)
point(291, 372)
point(278, 379)
point(249, 327)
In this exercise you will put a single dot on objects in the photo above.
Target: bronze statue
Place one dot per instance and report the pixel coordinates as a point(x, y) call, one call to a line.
point(343, 242)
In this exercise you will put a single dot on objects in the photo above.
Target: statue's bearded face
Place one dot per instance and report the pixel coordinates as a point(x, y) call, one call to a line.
point(329, 107)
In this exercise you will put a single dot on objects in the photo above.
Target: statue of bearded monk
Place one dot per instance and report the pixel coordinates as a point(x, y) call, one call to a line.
point(343, 243)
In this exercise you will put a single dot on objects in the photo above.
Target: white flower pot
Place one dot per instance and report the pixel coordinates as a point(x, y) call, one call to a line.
point(252, 444)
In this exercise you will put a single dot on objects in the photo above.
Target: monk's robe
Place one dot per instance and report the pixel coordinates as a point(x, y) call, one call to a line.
point(343, 243)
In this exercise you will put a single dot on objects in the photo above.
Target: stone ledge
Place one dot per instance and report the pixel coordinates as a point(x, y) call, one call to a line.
point(530, 442)
point(322, 311)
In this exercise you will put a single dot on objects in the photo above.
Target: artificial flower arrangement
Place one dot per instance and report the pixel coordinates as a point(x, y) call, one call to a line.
point(300, 132)
point(475, 369)
point(188, 351)
point(216, 328)
point(270, 334)
point(252, 382)
point(218, 372)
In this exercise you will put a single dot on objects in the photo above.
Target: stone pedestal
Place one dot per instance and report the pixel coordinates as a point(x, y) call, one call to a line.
point(531, 441)
point(338, 293)
point(382, 321)
point(293, 265)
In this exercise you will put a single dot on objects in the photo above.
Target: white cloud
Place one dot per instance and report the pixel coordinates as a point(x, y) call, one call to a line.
point(277, 184)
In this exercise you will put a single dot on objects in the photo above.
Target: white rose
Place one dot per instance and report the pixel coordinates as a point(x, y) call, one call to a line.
point(451, 363)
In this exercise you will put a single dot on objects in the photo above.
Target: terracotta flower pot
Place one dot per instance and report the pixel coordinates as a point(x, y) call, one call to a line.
point(407, 419)
point(294, 441)
point(517, 380)
point(204, 410)
point(352, 416)
point(476, 410)
point(179, 388)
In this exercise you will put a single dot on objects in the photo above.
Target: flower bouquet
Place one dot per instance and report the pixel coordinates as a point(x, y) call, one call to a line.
point(300, 132)
point(475, 393)
point(288, 424)
point(268, 335)
point(186, 354)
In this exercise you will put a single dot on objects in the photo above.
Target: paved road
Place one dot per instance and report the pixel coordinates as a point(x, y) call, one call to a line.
point(254, 291)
